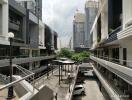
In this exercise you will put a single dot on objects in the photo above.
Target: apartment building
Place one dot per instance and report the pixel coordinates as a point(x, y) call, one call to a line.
point(111, 46)
point(24, 19)
point(79, 32)
point(91, 8)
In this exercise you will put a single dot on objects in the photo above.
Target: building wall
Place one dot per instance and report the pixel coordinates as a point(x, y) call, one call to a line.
point(113, 17)
point(48, 36)
point(0, 19)
point(94, 33)
point(104, 22)
point(127, 14)
point(35, 6)
point(126, 43)
point(91, 8)
point(33, 31)
point(41, 35)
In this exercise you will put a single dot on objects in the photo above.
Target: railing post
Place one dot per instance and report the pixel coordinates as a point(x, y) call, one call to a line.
point(65, 69)
point(33, 83)
point(59, 74)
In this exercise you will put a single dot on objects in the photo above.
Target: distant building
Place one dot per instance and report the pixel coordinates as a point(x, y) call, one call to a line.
point(79, 31)
point(91, 8)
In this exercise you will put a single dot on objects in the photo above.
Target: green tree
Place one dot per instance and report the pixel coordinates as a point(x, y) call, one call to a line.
point(65, 52)
point(80, 56)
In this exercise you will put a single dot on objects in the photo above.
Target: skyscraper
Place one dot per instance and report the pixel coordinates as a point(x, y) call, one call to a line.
point(91, 8)
point(78, 31)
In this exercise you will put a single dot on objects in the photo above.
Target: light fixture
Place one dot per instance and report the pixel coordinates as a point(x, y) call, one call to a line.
point(11, 35)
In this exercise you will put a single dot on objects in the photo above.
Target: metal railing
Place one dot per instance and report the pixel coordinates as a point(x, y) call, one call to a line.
point(20, 71)
point(7, 57)
point(4, 79)
point(24, 56)
point(115, 31)
point(112, 84)
point(37, 83)
point(126, 63)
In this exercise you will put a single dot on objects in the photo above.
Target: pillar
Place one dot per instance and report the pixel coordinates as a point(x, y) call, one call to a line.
point(5, 12)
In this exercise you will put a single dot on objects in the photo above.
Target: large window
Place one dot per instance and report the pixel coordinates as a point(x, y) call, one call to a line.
point(115, 14)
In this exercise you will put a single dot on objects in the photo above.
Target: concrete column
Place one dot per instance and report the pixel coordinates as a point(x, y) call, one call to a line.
point(24, 29)
point(5, 18)
point(30, 64)
point(110, 54)
point(121, 55)
point(104, 22)
point(110, 76)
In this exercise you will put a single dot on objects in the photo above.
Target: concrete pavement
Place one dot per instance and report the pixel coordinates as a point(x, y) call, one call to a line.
point(52, 82)
point(92, 91)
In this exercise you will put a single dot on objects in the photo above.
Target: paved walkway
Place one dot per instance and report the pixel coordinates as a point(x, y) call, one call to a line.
point(4, 93)
point(52, 82)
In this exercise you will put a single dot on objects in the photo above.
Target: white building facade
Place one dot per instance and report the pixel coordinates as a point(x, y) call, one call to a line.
point(111, 41)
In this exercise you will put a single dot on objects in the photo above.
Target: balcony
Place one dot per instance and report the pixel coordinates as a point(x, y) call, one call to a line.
point(111, 92)
point(21, 60)
point(115, 67)
point(14, 26)
point(33, 17)
point(113, 86)
point(113, 34)
point(119, 34)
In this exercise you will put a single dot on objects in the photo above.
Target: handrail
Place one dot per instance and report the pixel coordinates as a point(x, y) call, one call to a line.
point(13, 83)
point(114, 60)
point(36, 80)
point(115, 31)
point(19, 67)
point(4, 78)
point(71, 95)
point(19, 80)
point(23, 56)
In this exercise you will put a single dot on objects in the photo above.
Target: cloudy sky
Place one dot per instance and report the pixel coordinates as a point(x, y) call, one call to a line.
point(59, 14)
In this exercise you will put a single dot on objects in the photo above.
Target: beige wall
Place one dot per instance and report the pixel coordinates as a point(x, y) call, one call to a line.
point(126, 43)
point(127, 12)
point(104, 22)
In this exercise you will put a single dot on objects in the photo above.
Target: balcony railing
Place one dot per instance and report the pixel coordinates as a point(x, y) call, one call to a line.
point(113, 34)
point(125, 63)
point(115, 31)
point(7, 57)
point(113, 84)
point(115, 67)
point(18, 40)
point(21, 60)
point(18, 82)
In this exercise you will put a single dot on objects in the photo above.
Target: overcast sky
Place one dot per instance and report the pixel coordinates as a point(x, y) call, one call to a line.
point(59, 14)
